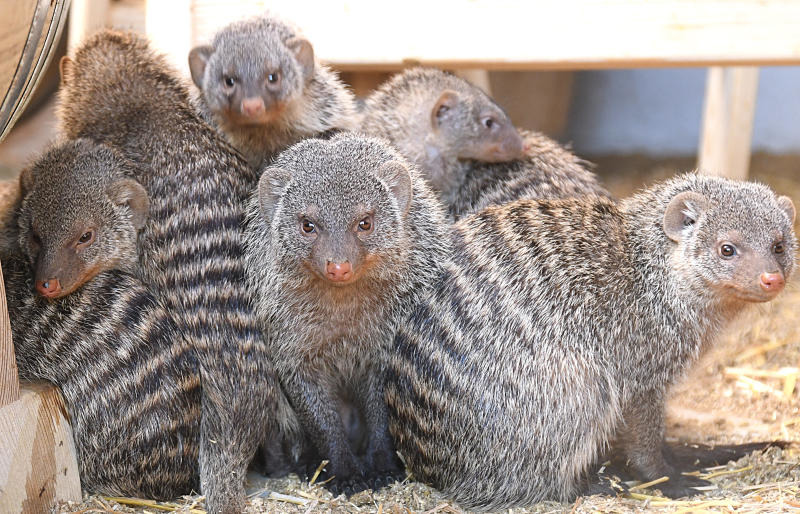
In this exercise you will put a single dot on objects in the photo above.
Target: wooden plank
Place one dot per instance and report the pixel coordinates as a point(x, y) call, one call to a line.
point(478, 78)
point(728, 121)
point(513, 34)
point(16, 16)
point(85, 17)
point(38, 464)
point(9, 381)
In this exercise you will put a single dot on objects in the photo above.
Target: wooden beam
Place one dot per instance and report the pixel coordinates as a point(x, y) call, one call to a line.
point(38, 464)
point(508, 34)
point(728, 121)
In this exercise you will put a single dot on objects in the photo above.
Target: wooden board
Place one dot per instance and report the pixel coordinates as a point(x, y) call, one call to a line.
point(9, 382)
point(16, 16)
point(38, 465)
point(510, 34)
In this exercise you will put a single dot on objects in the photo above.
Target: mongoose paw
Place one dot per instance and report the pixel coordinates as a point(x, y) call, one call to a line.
point(693, 456)
point(679, 486)
point(348, 487)
point(387, 478)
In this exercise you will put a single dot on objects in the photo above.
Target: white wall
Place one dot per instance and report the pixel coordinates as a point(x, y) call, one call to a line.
point(658, 111)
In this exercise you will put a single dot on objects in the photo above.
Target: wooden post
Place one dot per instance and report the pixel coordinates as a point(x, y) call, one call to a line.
point(479, 78)
point(728, 121)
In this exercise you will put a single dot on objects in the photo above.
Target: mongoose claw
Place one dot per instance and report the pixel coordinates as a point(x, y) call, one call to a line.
point(679, 486)
point(347, 487)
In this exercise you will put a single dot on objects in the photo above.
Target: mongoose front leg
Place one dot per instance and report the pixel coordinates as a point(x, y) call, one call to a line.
point(323, 425)
point(382, 463)
point(642, 439)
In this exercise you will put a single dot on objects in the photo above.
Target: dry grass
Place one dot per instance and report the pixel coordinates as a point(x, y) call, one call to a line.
point(743, 390)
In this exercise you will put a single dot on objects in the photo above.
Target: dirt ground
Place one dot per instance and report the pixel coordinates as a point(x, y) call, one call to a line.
point(743, 390)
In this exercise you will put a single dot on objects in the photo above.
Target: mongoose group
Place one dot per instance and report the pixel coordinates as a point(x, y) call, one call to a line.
point(262, 263)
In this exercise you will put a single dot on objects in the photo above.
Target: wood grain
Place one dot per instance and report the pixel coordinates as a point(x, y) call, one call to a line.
point(9, 382)
point(38, 464)
point(16, 16)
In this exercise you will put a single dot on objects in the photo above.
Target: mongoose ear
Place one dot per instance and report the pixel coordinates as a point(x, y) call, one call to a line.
point(448, 100)
point(128, 192)
point(683, 210)
point(64, 66)
point(304, 53)
point(198, 59)
point(270, 188)
point(396, 176)
point(786, 204)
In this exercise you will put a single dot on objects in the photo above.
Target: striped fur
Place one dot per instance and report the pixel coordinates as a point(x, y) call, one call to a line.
point(548, 170)
point(560, 324)
point(117, 91)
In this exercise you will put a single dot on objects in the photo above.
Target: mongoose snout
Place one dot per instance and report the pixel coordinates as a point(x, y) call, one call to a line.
point(503, 142)
point(253, 107)
point(49, 288)
point(338, 272)
point(772, 282)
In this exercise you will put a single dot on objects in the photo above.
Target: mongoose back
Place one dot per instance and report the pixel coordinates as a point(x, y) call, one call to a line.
point(262, 87)
point(80, 215)
point(435, 119)
point(546, 171)
point(117, 91)
point(344, 238)
point(129, 380)
point(560, 324)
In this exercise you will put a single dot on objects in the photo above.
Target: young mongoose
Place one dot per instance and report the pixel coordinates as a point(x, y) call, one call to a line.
point(344, 237)
point(546, 171)
point(560, 324)
point(127, 375)
point(80, 215)
point(117, 91)
point(262, 87)
point(436, 119)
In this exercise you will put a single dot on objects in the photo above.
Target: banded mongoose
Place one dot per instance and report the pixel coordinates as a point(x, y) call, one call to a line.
point(436, 119)
point(117, 91)
point(80, 215)
point(344, 238)
point(561, 324)
point(546, 171)
point(128, 378)
point(262, 87)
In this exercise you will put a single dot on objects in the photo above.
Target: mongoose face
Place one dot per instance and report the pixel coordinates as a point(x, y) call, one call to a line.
point(334, 215)
point(744, 254)
point(80, 216)
point(475, 127)
point(252, 71)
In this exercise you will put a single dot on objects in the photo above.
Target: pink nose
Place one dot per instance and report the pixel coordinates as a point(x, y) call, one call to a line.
point(339, 272)
point(48, 288)
point(772, 282)
point(253, 106)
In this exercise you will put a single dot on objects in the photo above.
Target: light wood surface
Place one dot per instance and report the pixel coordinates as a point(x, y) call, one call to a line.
point(518, 34)
point(16, 18)
point(9, 382)
point(38, 465)
point(85, 17)
point(728, 121)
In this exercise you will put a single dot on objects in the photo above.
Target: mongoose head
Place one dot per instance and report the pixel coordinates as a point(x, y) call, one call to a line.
point(473, 126)
point(80, 216)
point(252, 71)
point(337, 208)
point(736, 238)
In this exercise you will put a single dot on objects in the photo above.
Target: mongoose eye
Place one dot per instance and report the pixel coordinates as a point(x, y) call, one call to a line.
point(365, 225)
point(86, 239)
point(778, 247)
point(489, 122)
point(273, 78)
point(727, 250)
point(229, 81)
point(307, 226)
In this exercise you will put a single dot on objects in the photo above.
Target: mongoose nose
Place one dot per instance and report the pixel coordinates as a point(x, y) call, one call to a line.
point(772, 282)
point(48, 288)
point(339, 272)
point(512, 146)
point(253, 106)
